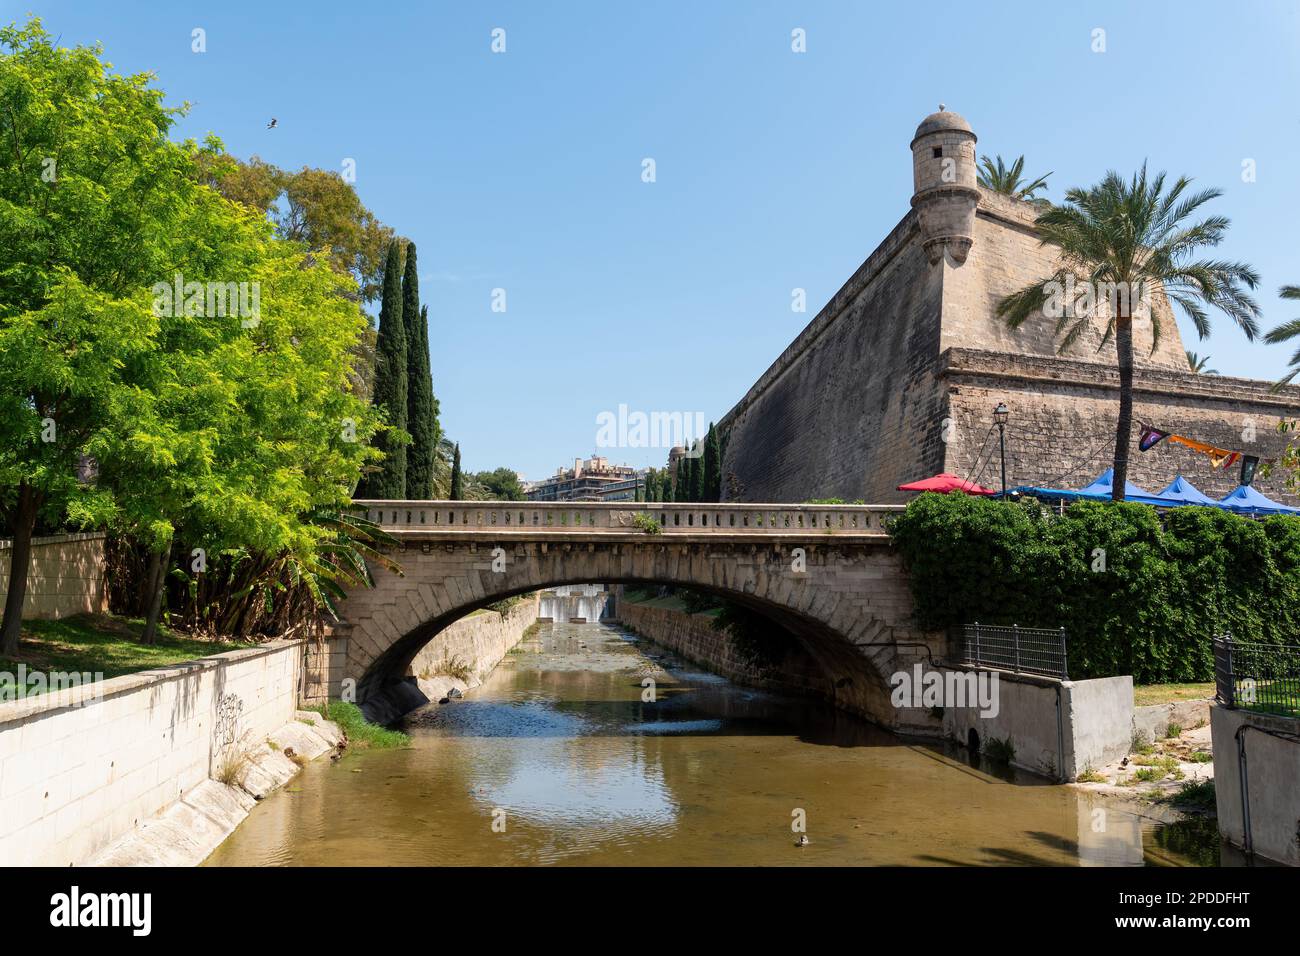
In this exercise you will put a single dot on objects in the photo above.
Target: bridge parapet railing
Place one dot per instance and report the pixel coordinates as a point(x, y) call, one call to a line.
point(620, 517)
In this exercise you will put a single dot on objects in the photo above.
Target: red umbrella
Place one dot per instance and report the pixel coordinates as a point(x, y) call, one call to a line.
point(944, 483)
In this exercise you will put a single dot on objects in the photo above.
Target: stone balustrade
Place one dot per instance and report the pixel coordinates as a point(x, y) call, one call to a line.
point(458, 518)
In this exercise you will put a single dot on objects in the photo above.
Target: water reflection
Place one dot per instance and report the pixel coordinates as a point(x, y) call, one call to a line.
point(560, 744)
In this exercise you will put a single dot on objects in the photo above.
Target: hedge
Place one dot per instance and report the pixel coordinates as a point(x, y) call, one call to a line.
point(1170, 582)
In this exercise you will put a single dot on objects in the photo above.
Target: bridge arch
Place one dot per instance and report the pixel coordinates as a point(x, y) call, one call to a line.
point(845, 601)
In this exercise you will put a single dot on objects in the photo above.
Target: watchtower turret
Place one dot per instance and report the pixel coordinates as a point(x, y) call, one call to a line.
point(944, 195)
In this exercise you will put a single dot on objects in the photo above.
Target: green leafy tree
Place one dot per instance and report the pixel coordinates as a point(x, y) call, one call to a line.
point(84, 234)
point(712, 466)
point(1007, 180)
point(315, 207)
point(1124, 240)
point(388, 480)
point(421, 420)
point(457, 491)
point(1286, 332)
point(196, 419)
point(501, 484)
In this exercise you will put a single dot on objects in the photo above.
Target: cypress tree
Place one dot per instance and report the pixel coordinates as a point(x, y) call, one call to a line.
point(712, 466)
point(695, 490)
point(670, 481)
point(389, 482)
point(420, 412)
point(457, 483)
point(651, 484)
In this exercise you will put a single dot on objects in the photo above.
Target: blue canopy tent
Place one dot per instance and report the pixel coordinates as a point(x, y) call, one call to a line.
point(1180, 491)
point(1098, 490)
point(1246, 500)
point(1101, 487)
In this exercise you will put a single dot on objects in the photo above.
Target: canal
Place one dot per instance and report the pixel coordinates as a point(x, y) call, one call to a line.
point(556, 759)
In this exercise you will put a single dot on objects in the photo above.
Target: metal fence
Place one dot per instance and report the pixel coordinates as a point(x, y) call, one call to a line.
point(1026, 650)
point(1260, 677)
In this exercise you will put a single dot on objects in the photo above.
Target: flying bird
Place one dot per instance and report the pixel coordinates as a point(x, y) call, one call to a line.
point(274, 122)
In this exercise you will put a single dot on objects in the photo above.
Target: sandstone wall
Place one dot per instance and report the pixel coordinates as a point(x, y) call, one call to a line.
point(897, 377)
point(79, 770)
point(66, 576)
point(1005, 257)
point(1061, 430)
point(852, 403)
point(480, 641)
point(693, 637)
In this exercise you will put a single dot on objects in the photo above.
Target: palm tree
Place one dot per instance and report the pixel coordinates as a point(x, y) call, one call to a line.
point(1117, 240)
point(1287, 331)
point(1197, 364)
point(1006, 181)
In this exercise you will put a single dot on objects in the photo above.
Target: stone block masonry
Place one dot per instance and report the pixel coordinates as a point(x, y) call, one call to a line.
point(693, 637)
point(66, 576)
point(897, 376)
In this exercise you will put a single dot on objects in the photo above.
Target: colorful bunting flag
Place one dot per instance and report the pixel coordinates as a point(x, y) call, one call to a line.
point(1219, 457)
point(1150, 438)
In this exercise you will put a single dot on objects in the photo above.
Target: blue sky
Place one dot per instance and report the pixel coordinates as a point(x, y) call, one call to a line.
point(775, 170)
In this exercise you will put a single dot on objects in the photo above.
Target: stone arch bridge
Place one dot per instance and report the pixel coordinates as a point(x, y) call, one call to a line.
point(844, 595)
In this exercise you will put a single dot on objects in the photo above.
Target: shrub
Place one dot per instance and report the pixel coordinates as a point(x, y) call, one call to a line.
point(1170, 582)
point(647, 524)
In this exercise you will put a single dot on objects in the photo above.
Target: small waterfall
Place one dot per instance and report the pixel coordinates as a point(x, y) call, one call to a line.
point(573, 603)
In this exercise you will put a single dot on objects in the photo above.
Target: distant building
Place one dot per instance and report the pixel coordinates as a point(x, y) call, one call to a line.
point(594, 479)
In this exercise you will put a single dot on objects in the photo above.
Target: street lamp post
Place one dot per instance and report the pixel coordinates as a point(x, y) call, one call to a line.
point(1000, 415)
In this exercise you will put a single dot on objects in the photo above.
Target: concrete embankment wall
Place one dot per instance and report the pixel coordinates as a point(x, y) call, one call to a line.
point(66, 576)
point(479, 641)
point(80, 768)
point(1264, 751)
point(1059, 729)
point(1093, 726)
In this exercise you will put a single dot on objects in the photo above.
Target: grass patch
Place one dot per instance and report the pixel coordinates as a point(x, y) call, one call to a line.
point(1090, 776)
point(455, 667)
point(1201, 756)
point(1173, 730)
point(1149, 694)
point(1197, 795)
point(233, 765)
point(362, 735)
point(104, 644)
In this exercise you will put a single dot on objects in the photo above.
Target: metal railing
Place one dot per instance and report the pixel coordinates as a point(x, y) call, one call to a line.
point(1025, 650)
point(492, 517)
point(1259, 677)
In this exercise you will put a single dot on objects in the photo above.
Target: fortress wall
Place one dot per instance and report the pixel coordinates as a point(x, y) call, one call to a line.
point(1004, 258)
point(1062, 422)
point(852, 405)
